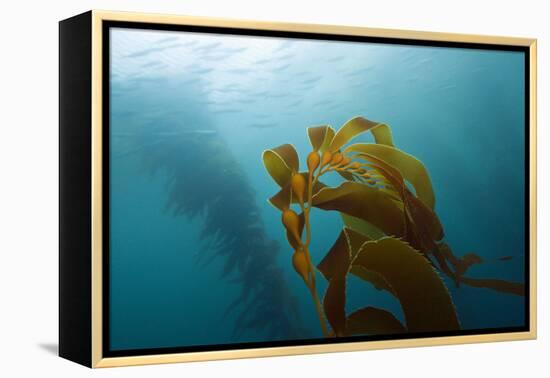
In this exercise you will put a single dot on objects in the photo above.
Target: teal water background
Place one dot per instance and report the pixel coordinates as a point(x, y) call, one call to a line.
point(460, 111)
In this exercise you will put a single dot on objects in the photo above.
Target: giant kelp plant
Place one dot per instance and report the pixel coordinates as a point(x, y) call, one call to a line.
point(182, 143)
point(391, 235)
point(232, 231)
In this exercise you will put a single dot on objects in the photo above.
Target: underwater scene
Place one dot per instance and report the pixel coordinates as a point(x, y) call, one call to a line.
point(269, 189)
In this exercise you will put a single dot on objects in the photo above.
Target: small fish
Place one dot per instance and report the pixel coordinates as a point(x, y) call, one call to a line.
point(239, 70)
point(505, 258)
point(203, 71)
point(207, 47)
point(262, 125)
point(230, 87)
point(190, 43)
point(153, 63)
point(261, 93)
point(285, 56)
point(276, 95)
point(307, 87)
point(234, 51)
point(203, 132)
point(226, 111)
point(263, 115)
point(280, 68)
point(312, 80)
point(335, 59)
point(151, 50)
point(295, 103)
point(167, 39)
point(284, 45)
point(191, 81)
point(246, 100)
point(359, 71)
point(322, 102)
point(215, 57)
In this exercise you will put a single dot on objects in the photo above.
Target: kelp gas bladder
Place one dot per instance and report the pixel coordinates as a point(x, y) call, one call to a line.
point(391, 235)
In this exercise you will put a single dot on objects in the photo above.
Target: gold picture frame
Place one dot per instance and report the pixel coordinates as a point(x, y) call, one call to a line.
point(94, 356)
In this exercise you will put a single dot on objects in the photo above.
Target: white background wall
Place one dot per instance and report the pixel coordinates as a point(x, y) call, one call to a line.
point(28, 186)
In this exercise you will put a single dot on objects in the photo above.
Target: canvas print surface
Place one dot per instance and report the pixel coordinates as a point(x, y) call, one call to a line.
point(283, 190)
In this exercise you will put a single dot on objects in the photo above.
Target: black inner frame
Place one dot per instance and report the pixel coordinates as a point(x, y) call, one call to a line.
point(106, 25)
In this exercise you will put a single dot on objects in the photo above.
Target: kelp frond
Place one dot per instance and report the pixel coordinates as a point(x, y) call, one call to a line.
point(391, 231)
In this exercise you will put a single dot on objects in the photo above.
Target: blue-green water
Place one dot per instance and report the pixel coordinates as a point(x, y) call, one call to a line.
point(190, 228)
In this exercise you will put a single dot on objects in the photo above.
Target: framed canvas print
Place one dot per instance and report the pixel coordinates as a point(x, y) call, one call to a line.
point(237, 189)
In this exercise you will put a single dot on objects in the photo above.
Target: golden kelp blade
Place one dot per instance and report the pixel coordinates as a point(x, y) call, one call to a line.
point(334, 305)
point(426, 303)
point(282, 199)
point(411, 168)
point(373, 321)
point(375, 279)
point(358, 125)
point(281, 162)
point(422, 224)
point(425, 221)
point(371, 232)
point(337, 261)
point(363, 202)
point(355, 240)
point(320, 137)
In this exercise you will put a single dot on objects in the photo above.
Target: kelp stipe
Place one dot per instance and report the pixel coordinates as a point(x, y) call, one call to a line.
point(195, 160)
point(391, 235)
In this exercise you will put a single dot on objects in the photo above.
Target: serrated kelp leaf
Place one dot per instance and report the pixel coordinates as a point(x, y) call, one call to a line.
point(424, 298)
point(336, 262)
point(358, 125)
point(365, 228)
point(411, 169)
point(281, 162)
point(355, 240)
point(377, 280)
point(373, 321)
point(363, 202)
point(320, 137)
point(334, 305)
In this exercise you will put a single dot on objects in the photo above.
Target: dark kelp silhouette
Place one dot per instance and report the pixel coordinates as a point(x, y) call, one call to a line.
point(391, 235)
point(232, 229)
point(204, 181)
